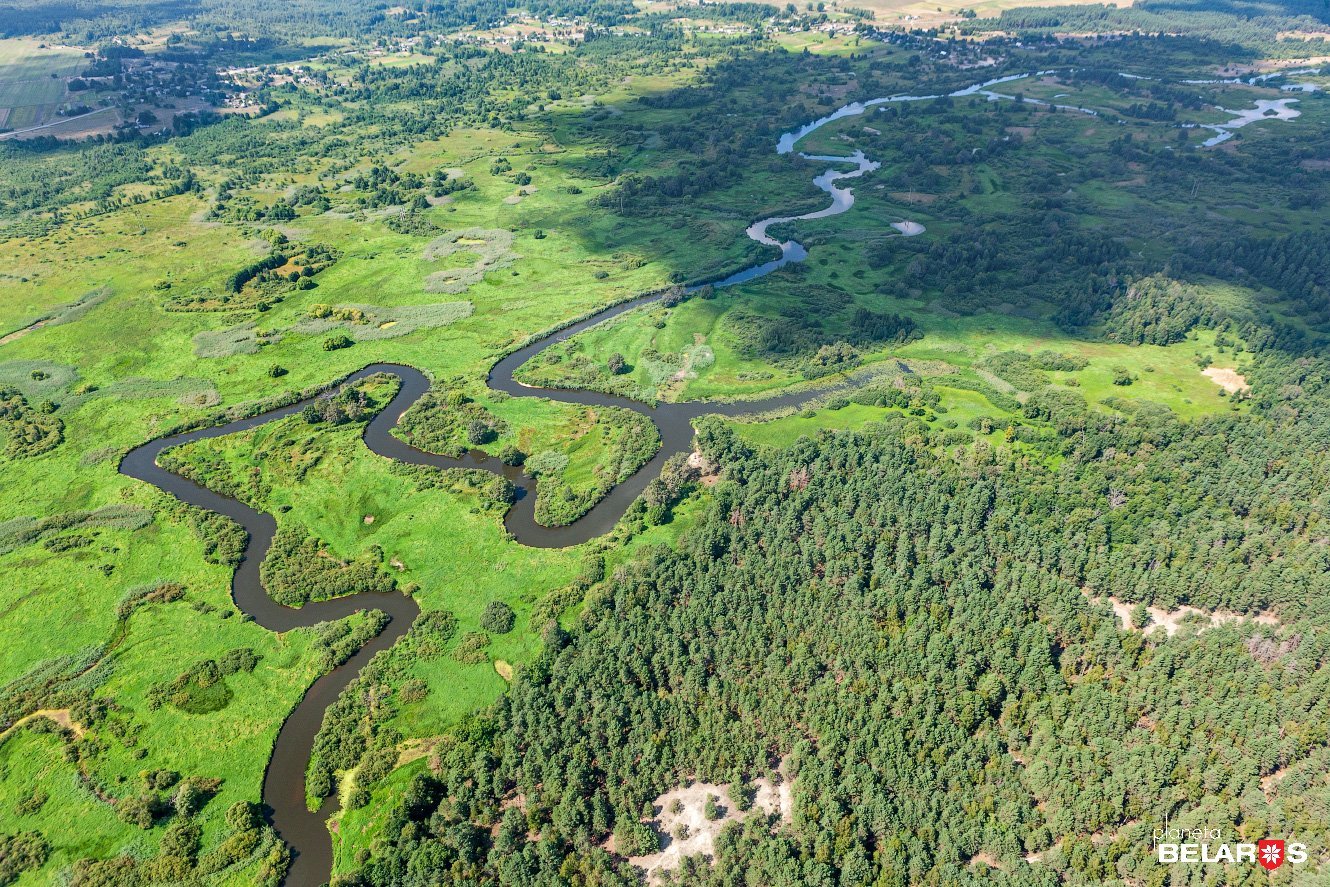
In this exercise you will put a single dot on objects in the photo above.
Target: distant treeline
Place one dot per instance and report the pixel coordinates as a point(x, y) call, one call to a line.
point(287, 19)
point(1248, 25)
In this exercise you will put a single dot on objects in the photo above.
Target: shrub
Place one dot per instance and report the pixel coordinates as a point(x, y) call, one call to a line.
point(546, 462)
point(27, 431)
point(299, 569)
point(498, 618)
point(500, 490)
point(447, 422)
point(478, 432)
point(182, 839)
point(223, 539)
point(471, 649)
point(32, 803)
point(20, 853)
point(139, 810)
point(335, 343)
point(1064, 363)
point(711, 809)
point(244, 816)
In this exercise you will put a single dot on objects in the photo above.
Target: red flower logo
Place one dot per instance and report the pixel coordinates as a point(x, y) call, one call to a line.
point(1270, 854)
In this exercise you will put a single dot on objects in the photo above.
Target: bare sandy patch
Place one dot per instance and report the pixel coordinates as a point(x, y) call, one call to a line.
point(987, 859)
point(908, 228)
point(684, 829)
point(708, 475)
point(1270, 782)
point(1227, 379)
point(1171, 621)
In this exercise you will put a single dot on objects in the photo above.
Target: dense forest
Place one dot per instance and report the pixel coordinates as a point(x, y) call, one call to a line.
point(909, 627)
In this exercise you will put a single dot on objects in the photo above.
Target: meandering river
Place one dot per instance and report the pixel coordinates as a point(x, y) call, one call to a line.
point(284, 781)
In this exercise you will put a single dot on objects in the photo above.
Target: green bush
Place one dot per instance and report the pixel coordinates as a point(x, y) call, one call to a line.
point(498, 618)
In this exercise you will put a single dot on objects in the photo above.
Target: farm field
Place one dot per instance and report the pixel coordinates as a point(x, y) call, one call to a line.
point(32, 81)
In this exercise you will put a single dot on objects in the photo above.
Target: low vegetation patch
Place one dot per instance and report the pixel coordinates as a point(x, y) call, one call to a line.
point(493, 248)
point(202, 688)
point(246, 338)
point(300, 568)
point(28, 430)
point(364, 323)
point(262, 283)
point(21, 531)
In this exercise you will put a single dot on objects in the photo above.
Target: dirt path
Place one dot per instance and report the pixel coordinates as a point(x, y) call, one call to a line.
point(61, 716)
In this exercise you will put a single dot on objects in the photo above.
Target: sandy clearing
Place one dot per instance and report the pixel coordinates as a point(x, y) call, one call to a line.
point(908, 228)
point(1226, 378)
point(1170, 622)
point(707, 474)
point(987, 859)
point(1270, 782)
point(770, 800)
